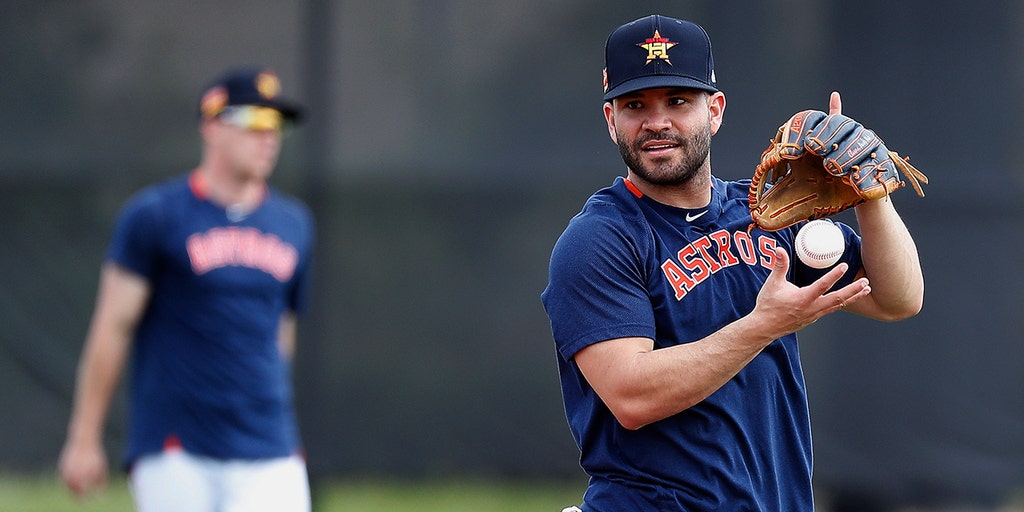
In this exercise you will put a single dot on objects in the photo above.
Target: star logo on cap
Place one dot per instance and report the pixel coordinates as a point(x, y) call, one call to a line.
point(268, 85)
point(657, 48)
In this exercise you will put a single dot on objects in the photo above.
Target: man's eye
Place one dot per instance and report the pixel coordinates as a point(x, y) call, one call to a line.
point(633, 105)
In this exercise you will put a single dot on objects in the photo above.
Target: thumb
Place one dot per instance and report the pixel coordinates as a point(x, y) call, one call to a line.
point(835, 103)
point(781, 266)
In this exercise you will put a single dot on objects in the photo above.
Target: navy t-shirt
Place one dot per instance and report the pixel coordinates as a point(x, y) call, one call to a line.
point(206, 369)
point(628, 266)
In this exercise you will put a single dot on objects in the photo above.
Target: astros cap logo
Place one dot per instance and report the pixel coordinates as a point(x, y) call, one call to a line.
point(657, 48)
point(657, 51)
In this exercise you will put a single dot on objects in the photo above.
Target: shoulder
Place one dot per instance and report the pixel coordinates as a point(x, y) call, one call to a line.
point(290, 218)
point(609, 210)
point(611, 229)
point(290, 207)
point(153, 198)
point(613, 205)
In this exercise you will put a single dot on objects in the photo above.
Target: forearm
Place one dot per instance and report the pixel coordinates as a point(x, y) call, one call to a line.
point(83, 463)
point(659, 383)
point(891, 263)
point(119, 305)
point(677, 378)
point(99, 373)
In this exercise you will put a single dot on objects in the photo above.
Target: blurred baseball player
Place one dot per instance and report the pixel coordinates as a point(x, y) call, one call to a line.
point(674, 318)
point(200, 288)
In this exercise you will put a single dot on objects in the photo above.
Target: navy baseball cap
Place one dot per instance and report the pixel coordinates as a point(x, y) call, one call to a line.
point(256, 86)
point(658, 51)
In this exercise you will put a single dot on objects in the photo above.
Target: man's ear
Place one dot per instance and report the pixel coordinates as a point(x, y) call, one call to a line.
point(716, 108)
point(609, 117)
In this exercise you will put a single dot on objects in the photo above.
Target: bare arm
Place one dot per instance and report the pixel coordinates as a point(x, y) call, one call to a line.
point(890, 262)
point(120, 302)
point(641, 385)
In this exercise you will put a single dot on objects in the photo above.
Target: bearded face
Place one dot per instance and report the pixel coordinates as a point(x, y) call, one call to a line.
point(666, 158)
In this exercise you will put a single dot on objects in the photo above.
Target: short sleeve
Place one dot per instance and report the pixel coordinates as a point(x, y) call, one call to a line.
point(597, 284)
point(135, 241)
point(298, 297)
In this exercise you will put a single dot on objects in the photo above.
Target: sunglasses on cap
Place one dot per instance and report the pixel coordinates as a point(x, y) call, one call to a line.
point(252, 117)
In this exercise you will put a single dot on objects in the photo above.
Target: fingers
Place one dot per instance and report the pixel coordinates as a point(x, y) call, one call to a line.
point(847, 295)
point(76, 482)
point(835, 103)
point(827, 281)
point(829, 302)
point(84, 486)
point(80, 489)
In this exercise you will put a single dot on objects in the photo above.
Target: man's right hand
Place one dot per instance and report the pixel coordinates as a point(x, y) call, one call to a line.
point(83, 467)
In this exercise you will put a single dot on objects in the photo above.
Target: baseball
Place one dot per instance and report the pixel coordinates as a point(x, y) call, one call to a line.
point(819, 244)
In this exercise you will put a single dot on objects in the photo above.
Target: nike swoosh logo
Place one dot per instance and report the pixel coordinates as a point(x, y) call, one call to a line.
point(690, 217)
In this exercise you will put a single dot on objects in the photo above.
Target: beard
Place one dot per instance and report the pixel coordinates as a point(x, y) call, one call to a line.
point(695, 151)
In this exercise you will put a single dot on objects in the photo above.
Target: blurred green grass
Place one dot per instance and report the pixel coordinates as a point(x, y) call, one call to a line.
point(44, 493)
point(447, 496)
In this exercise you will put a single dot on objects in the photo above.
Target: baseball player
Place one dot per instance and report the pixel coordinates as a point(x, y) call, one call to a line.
point(200, 290)
point(674, 317)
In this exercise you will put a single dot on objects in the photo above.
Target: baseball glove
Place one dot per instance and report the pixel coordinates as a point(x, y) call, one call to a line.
point(821, 164)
